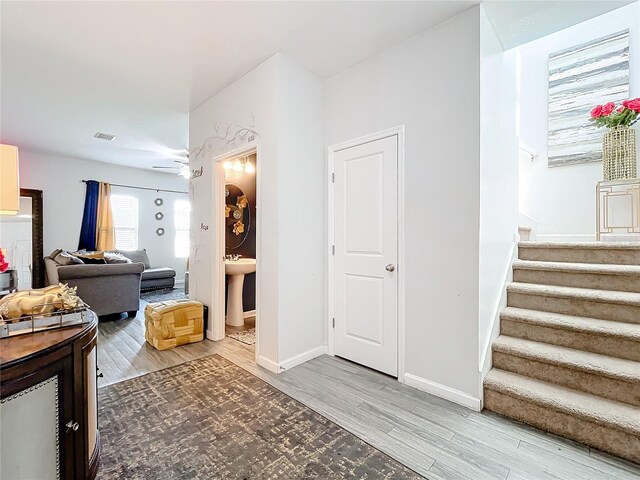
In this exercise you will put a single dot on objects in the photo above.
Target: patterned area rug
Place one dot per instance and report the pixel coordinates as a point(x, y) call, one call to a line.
point(210, 419)
point(246, 336)
point(162, 295)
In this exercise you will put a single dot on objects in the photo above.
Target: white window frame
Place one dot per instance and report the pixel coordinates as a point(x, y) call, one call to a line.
point(180, 250)
point(134, 224)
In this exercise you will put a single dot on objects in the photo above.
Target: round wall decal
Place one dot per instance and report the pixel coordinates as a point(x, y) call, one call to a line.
point(158, 201)
point(159, 215)
point(160, 231)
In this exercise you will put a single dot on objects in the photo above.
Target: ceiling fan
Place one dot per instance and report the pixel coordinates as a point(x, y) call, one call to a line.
point(182, 167)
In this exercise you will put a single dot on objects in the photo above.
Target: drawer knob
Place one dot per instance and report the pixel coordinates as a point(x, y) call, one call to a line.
point(72, 426)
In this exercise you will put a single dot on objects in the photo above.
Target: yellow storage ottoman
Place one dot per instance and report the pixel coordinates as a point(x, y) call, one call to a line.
point(173, 323)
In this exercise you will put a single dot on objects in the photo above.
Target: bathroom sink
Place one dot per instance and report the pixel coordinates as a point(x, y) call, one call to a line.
point(242, 266)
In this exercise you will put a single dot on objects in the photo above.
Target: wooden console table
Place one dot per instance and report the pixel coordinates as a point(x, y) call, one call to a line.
point(49, 408)
point(618, 208)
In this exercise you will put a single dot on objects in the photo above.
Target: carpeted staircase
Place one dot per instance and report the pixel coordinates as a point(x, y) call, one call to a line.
point(568, 356)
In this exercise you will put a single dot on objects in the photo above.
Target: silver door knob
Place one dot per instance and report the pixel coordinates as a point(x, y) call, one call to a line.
point(390, 267)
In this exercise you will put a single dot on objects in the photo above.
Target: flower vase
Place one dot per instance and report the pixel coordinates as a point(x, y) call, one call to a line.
point(619, 153)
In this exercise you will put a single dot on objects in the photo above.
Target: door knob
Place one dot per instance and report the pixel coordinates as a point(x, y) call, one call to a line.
point(390, 267)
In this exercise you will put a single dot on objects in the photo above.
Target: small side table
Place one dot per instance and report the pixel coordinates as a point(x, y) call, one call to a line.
point(618, 208)
point(8, 282)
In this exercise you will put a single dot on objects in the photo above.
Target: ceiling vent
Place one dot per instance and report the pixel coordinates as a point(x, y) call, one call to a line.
point(105, 136)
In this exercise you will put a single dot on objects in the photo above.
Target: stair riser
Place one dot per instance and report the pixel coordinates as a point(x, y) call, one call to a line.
point(595, 384)
point(581, 255)
point(608, 439)
point(575, 306)
point(620, 283)
point(588, 342)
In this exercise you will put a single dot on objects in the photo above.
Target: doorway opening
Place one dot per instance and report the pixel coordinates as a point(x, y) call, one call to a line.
point(236, 271)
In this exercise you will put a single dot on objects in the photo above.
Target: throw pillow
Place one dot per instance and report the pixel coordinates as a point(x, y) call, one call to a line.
point(84, 254)
point(112, 257)
point(65, 258)
point(93, 261)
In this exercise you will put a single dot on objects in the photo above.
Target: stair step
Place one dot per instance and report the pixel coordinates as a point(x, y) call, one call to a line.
point(623, 278)
point(606, 337)
point(601, 423)
point(609, 377)
point(601, 304)
point(619, 253)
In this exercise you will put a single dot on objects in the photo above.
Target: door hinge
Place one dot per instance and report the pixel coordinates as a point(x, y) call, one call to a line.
point(333, 178)
point(333, 249)
point(333, 322)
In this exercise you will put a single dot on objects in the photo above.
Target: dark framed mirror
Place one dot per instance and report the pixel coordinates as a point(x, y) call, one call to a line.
point(28, 250)
point(237, 216)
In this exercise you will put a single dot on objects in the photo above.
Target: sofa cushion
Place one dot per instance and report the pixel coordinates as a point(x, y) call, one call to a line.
point(162, 272)
point(137, 256)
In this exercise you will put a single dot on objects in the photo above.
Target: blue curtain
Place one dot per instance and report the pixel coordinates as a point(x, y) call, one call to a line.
point(90, 217)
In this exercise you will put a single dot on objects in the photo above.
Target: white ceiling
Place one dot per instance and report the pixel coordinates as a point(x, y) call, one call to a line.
point(135, 69)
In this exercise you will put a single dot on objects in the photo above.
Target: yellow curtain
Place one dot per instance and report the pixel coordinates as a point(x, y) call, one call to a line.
point(105, 231)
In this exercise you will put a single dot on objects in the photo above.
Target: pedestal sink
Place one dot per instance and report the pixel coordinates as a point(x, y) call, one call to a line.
point(236, 270)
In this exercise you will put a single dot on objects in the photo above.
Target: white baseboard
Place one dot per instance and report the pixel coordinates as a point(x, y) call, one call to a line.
point(267, 364)
point(303, 357)
point(442, 391)
point(250, 313)
point(209, 335)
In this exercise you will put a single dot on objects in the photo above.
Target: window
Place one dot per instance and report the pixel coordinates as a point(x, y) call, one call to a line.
point(125, 220)
point(181, 212)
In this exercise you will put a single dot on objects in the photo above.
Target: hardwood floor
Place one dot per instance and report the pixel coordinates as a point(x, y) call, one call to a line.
point(434, 437)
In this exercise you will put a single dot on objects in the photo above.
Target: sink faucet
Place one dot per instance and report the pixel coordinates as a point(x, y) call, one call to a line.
point(233, 257)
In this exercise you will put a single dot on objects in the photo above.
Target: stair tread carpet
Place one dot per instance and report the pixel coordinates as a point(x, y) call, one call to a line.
point(602, 296)
point(582, 245)
point(606, 412)
point(623, 330)
point(570, 267)
point(612, 367)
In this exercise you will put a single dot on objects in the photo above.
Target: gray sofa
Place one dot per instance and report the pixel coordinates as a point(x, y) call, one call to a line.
point(153, 278)
point(107, 289)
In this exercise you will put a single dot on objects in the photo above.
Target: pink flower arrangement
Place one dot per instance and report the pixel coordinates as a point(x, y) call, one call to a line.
point(4, 266)
point(608, 115)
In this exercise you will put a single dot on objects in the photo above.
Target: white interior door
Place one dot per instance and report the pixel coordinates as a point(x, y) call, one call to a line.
point(22, 256)
point(366, 252)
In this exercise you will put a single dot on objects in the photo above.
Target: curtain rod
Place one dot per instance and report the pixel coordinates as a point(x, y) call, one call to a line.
point(143, 188)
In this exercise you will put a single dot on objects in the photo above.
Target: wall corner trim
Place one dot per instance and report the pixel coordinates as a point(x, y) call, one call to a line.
point(442, 391)
point(303, 357)
point(267, 364)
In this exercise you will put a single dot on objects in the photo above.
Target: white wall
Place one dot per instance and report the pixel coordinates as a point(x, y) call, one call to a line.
point(562, 199)
point(285, 101)
point(302, 232)
point(60, 179)
point(431, 84)
point(498, 178)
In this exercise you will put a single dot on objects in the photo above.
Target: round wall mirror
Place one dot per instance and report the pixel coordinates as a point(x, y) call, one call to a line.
point(237, 216)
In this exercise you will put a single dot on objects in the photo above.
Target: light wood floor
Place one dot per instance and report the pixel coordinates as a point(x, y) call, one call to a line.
point(434, 437)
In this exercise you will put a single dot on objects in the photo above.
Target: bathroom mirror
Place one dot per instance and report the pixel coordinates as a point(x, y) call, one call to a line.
point(21, 238)
point(237, 216)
